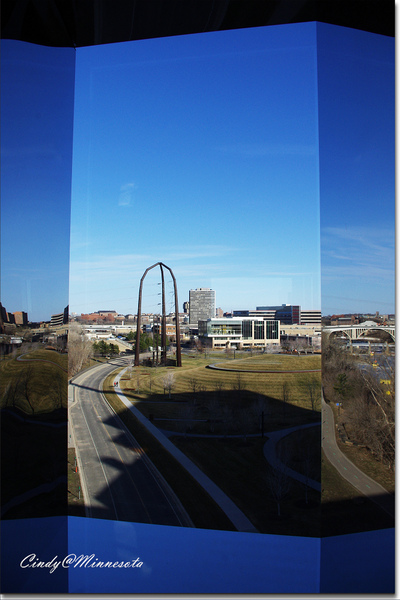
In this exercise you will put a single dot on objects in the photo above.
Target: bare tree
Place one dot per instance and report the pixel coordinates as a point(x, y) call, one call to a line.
point(377, 410)
point(279, 486)
point(313, 389)
point(80, 349)
point(168, 382)
point(237, 384)
point(59, 390)
point(138, 382)
point(150, 373)
point(199, 346)
point(369, 399)
point(9, 397)
point(272, 349)
point(26, 387)
point(219, 386)
point(285, 394)
point(193, 384)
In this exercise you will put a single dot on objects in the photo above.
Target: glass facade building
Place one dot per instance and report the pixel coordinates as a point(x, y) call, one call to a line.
point(239, 332)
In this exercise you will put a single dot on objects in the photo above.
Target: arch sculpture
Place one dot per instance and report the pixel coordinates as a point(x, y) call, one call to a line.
point(163, 319)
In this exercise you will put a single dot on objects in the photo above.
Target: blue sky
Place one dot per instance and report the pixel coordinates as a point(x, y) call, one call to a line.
point(357, 174)
point(200, 152)
point(245, 160)
point(37, 103)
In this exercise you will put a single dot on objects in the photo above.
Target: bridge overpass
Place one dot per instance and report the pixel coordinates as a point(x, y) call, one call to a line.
point(356, 332)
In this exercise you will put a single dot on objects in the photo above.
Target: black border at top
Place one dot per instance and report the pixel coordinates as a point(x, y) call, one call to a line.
point(77, 23)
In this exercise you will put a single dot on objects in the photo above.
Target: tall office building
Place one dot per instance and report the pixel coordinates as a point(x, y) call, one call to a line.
point(201, 305)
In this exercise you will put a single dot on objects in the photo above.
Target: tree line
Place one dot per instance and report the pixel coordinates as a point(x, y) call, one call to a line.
point(105, 349)
point(146, 340)
point(364, 393)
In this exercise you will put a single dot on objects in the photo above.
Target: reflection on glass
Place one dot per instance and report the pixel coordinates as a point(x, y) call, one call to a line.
point(356, 124)
point(202, 152)
point(37, 96)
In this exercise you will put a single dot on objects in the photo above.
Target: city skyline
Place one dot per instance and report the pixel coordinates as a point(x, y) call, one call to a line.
point(172, 312)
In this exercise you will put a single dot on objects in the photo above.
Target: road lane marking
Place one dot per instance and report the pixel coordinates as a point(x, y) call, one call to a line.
point(122, 461)
point(161, 482)
point(101, 464)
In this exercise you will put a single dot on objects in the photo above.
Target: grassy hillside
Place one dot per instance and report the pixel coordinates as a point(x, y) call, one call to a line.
point(35, 383)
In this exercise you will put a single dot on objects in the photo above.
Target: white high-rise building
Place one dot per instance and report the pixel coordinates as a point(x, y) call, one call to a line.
point(201, 305)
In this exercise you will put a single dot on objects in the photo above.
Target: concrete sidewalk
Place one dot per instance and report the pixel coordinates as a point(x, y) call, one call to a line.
point(270, 454)
point(348, 470)
point(236, 516)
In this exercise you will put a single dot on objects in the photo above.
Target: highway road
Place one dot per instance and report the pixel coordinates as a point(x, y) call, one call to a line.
point(119, 482)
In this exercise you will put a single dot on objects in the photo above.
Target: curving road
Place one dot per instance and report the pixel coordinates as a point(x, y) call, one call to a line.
point(347, 469)
point(118, 480)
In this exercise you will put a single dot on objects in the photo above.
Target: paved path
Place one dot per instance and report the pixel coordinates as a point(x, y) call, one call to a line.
point(45, 360)
point(236, 516)
point(347, 469)
point(270, 454)
point(233, 370)
point(269, 448)
point(118, 480)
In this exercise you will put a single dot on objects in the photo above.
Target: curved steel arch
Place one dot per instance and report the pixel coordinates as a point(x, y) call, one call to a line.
point(163, 321)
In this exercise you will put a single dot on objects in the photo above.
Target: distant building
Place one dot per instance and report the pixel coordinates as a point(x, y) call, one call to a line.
point(337, 320)
point(99, 317)
point(219, 312)
point(201, 305)
point(288, 314)
point(91, 318)
point(237, 332)
point(310, 317)
point(267, 314)
point(170, 330)
point(303, 336)
point(20, 318)
point(59, 319)
point(3, 313)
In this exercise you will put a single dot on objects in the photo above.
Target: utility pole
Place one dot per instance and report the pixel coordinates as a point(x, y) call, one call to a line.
point(163, 322)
